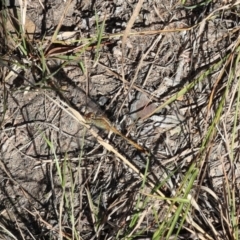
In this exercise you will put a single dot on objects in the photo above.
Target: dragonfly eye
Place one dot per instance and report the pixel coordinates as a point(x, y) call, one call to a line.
point(89, 115)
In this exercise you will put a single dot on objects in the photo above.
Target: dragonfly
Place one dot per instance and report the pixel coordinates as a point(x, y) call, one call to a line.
point(103, 123)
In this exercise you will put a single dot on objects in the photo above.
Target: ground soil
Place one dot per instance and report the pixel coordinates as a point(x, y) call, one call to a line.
point(34, 130)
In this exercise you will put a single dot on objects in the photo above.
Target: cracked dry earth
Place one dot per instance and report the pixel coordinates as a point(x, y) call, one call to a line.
point(35, 130)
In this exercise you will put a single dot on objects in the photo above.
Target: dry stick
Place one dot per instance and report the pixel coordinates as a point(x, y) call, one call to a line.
point(128, 29)
point(79, 118)
point(124, 39)
point(151, 66)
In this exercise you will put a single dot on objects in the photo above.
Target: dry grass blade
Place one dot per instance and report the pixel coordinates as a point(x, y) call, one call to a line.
point(94, 210)
point(48, 225)
point(130, 24)
point(223, 71)
point(128, 29)
point(23, 10)
point(7, 232)
point(54, 37)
